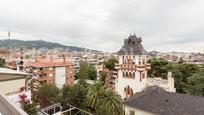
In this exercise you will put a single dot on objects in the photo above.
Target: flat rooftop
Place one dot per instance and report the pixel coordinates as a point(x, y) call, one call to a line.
point(10, 71)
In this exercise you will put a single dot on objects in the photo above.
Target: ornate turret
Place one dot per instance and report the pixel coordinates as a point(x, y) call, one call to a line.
point(132, 46)
point(132, 67)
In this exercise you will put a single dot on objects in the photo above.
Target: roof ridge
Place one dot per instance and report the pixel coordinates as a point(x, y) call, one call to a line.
point(147, 90)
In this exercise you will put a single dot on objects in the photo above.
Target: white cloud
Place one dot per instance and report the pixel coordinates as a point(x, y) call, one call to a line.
point(103, 24)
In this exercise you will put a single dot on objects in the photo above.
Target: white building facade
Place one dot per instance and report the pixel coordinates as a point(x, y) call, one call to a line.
point(132, 70)
point(132, 67)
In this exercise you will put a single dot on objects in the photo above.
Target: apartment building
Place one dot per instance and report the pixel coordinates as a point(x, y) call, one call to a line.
point(58, 72)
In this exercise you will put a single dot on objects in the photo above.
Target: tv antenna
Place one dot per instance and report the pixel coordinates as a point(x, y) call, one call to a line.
point(9, 34)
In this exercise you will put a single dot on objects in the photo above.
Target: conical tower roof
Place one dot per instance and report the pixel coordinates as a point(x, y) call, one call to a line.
point(132, 46)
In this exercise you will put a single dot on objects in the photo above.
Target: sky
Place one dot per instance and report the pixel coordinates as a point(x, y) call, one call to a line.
point(164, 25)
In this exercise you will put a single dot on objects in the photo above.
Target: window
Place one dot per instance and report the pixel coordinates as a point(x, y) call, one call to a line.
point(50, 68)
point(143, 61)
point(133, 75)
point(139, 62)
point(132, 112)
point(50, 75)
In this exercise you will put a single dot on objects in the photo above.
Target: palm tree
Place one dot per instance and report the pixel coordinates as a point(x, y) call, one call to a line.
point(103, 100)
point(93, 94)
point(110, 103)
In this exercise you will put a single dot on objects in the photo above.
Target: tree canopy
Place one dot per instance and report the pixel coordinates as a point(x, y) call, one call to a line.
point(87, 71)
point(2, 62)
point(50, 91)
point(110, 63)
point(195, 84)
point(181, 72)
point(158, 67)
point(104, 101)
point(74, 95)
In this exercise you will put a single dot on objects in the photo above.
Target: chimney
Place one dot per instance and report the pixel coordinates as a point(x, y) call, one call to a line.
point(171, 82)
point(64, 57)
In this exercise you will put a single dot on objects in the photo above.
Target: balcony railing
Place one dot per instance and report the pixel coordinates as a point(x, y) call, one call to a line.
point(9, 108)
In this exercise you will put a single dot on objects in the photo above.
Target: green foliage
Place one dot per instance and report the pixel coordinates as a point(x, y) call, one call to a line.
point(103, 76)
point(87, 71)
point(74, 95)
point(101, 100)
point(83, 70)
point(31, 108)
point(104, 101)
point(181, 72)
point(158, 68)
point(110, 63)
point(50, 91)
point(92, 73)
point(2, 62)
point(196, 84)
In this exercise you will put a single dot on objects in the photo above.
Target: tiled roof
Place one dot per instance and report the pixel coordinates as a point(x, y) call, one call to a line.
point(158, 101)
point(47, 64)
point(133, 46)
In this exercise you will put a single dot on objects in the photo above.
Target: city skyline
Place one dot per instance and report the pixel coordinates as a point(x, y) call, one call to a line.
point(102, 25)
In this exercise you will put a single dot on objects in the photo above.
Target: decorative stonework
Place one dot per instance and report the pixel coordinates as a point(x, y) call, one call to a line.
point(132, 68)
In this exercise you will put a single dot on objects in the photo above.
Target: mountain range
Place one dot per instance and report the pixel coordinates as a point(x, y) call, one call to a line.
point(14, 43)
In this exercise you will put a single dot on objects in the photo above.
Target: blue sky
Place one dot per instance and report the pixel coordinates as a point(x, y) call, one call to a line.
point(164, 25)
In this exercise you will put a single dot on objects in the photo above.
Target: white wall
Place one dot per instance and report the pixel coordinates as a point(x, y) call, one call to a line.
point(11, 85)
point(60, 76)
point(9, 108)
point(137, 111)
point(135, 83)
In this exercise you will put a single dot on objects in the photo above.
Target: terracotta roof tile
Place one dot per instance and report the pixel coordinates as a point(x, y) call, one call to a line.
point(48, 64)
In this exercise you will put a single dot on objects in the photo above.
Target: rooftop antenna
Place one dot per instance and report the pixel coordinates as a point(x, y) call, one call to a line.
point(9, 34)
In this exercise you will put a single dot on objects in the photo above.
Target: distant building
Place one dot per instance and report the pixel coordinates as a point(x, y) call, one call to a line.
point(156, 101)
point(52, 72)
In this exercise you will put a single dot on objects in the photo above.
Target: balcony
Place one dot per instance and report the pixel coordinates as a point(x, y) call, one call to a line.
point(117, 66)
point(9, 108)
point(141, 68)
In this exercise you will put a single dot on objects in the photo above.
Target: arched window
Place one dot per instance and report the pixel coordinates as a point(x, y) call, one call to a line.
point(130, 74)
point(126, 74)
point(128, 89)
point(128, 92)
